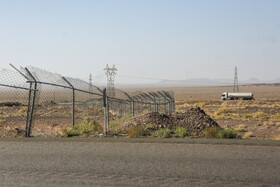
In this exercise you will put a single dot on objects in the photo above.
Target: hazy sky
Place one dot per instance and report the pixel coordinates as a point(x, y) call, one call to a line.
point(163, 39)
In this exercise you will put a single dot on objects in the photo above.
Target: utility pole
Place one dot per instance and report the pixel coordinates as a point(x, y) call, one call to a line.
point(235, 86)
point(110, 73)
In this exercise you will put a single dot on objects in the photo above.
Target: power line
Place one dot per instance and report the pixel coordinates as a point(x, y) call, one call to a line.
point(146, 78)
point(139, 77)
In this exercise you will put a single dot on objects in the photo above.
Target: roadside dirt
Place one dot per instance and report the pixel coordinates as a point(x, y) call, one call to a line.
point(259, 119)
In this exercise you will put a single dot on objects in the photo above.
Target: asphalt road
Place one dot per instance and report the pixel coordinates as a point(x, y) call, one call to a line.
point(108, 163)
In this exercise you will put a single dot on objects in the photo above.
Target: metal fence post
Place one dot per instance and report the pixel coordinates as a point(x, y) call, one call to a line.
point(30, 118)
point(133, 107)
point(106, 111)
point(73, 100)
point(28, 110)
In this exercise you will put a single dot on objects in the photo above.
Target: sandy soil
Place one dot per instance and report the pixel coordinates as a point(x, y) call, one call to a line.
point(258, 119)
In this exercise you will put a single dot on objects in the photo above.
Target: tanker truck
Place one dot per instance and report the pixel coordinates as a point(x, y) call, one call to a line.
point(237, 95)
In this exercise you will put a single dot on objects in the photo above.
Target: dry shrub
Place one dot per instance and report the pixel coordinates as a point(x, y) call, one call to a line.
point(261, 116)
point(238, 129)
point(248, 135)
point(269, 123)
point(277, 117)
point(276, 137)
point(241, 126)
point(135, 132)
point(211, 132)
point(223, 110)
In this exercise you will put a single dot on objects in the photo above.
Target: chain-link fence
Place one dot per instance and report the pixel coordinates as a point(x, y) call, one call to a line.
point(33, 97)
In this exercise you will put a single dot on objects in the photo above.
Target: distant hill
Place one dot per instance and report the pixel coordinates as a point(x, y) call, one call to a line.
point(213, 82)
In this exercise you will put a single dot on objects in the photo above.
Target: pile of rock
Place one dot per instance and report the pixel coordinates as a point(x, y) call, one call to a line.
point(193, 119)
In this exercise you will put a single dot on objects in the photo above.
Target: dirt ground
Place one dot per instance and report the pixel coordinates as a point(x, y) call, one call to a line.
point(257, 119)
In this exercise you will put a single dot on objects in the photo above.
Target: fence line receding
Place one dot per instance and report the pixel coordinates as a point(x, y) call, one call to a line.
point(31, 96)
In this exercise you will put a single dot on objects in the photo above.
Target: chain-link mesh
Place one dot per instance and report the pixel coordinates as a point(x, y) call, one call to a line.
point(14, 91)
point(40, 101)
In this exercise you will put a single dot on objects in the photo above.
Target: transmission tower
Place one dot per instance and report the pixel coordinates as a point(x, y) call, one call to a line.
point(90, 86)
point(235, 86)
point(110, 73)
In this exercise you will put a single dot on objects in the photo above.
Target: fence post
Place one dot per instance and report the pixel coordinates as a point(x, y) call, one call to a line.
point(133, 107)
point(106, 111)
point(73, 100)
point(30, 119)
point(28, 109)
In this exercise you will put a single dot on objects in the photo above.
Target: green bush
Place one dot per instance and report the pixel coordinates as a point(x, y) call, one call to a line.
point(180, 131)
point(229, 134)
point(163, 133)
point(2, 121)
point(73, 132)
point(113, 124)
point(86, 126)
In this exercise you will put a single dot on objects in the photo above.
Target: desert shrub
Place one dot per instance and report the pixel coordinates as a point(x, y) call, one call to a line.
point(135, 132)
point(64, 132)
point(259, 124)
point(85, 127)
point(89, 126)
point(163, 133)
point(2, 121)
point(115, 127)
point(239, 129)
point(149, 126)
point(200, 105)
point(277, 117)
point(21, 112)
point(146, 132)
point(210, 132)
point(261, 116)
point(228, 134)
point(180, 131)
point(247, 135)
point(69, 115)
point(113, 124)
point(223, 110)
point(218, 116)
point(73, 132)
point(248, 116)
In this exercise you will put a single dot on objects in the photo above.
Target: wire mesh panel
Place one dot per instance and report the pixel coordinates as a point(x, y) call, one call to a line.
point(53, 110)
point(46, 103)
point(14, 91)
point(53, 102)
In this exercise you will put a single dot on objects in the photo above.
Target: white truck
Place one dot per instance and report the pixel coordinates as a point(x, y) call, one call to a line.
point(237, 95)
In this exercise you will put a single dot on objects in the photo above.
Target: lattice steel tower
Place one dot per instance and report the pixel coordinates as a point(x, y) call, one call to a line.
point(235, 86)
point(110, 73)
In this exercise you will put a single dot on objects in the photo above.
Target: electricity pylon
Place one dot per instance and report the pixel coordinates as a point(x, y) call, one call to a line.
point(235, 86)
point(110, 73)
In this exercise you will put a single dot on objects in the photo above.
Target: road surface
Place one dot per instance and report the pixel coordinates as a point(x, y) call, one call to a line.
point(108, 163)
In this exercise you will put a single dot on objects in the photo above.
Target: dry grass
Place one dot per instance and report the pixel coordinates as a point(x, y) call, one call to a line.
point(135, 132)
point(248, 135)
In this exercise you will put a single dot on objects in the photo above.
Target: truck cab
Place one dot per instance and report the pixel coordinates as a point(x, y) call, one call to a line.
point(224, 96)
